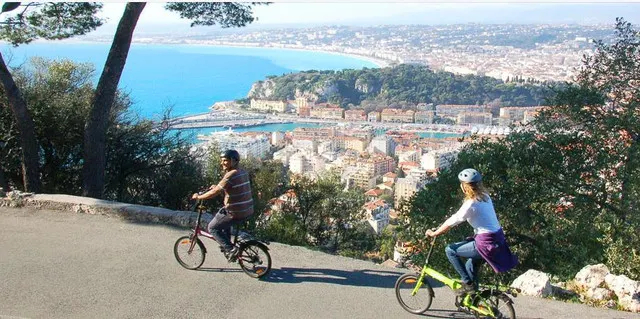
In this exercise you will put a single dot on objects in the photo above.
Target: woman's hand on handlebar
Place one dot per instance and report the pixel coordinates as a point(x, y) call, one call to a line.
point(431, 232)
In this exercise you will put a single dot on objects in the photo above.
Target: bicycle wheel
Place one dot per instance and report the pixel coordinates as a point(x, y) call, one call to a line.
point(255, 261)
point(192, 260)
point(415, 304)
point(500, 304)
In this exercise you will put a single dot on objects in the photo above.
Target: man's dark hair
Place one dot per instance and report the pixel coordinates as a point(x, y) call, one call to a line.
point(231, 154)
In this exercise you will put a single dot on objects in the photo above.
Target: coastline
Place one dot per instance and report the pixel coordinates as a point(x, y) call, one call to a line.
point(379, 62)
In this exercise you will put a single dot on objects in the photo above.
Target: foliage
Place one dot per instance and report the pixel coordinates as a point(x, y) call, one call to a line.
point(51, 21)
point(147, 165)
point(565, 189)
point(320, 214)
point(405, 83)
point(226, 14)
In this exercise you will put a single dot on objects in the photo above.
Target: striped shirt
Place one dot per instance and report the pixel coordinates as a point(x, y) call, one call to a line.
point(237, 193)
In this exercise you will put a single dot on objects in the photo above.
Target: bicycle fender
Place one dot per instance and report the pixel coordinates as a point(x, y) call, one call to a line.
point(201, 244)
point(254, 242)
point(431, 292)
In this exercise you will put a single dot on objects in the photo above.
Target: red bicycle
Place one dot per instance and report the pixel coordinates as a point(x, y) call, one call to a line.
point(253, 254)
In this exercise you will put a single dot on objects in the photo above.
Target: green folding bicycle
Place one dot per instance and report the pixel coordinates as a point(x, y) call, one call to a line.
point(415, 294)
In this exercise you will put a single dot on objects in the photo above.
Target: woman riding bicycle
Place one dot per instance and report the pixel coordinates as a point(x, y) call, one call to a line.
point(488, 243)
point(238, 201)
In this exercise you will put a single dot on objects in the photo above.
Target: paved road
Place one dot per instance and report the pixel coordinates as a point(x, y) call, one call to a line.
point(57, 264)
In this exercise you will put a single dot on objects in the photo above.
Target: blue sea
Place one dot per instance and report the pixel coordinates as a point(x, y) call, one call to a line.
point(188, 78)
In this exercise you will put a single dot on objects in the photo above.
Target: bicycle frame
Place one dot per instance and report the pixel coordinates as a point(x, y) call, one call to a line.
point(450, 282)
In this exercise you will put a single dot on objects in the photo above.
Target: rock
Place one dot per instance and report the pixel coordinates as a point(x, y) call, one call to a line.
point(623, 286)
point(599, 294)
point(533, 283)
point(591, 276)
point(630, 304)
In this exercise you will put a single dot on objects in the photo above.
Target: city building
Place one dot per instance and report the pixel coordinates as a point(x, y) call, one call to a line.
point(248, 145)
point(382, 144)
point(397, 116)
point(355, 115)
point(437, 160)
point(373, 116)
point(452, 110)
point(405, 188)
point(482, 118)
point(377, 214)
point(424, 117)
point(269, 106)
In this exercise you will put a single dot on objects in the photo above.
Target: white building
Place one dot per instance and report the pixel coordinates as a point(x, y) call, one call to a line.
point(409, 156)
point(306, 143)
point(382, 144)
point(277, 138)
point(438, 159)
point(248, 146)
point(284, 154)
point(377, 214)
point(300, 164)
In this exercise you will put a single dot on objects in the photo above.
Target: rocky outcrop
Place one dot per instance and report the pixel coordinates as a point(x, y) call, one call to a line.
point(533, 283)
point(262, 89)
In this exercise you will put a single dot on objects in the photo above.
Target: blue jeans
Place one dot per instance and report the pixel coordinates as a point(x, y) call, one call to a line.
point(469, 272)
point(220, 228)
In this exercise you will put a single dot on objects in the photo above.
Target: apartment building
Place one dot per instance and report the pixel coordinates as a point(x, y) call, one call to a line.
point(351, 143)
point(424, 117)
point(513, 114)
point(304, 111)
point(382, 144)
point(299, 163)
point(355, 115)
point(277, 139)
point(397, 116)
point(377, 214)
point(335, 113)
point(482, 118)
point(452, 110)
point(437, 160)
point(307, 143)
point(269, 106)
point(249, 146)
point(315, 133)
point(362, 177)
point(373, 116)
point(405, 188)
point(284, 154)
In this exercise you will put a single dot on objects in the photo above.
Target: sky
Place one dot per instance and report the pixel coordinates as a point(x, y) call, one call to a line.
point(362, 13)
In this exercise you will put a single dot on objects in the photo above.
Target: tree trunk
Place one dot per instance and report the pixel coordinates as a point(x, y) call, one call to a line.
point(26, 130)
point(96, 128)
point(3, 182)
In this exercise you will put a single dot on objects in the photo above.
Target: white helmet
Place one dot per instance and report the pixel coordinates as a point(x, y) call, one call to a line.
point(469, 175)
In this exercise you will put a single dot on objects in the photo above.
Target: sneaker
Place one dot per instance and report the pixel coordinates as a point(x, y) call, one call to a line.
point(465, 289)
point(232, 254)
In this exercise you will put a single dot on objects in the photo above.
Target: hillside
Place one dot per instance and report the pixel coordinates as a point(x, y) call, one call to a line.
point(403, 83)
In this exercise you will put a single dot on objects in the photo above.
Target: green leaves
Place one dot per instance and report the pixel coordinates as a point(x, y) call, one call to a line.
point(51, 21)
point(225, 14)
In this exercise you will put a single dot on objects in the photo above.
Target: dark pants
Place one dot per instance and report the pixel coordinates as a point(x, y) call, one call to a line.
point(220, 228)
point(469, 272)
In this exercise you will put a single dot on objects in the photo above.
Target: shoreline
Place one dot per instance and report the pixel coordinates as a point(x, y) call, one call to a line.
point(379, 62)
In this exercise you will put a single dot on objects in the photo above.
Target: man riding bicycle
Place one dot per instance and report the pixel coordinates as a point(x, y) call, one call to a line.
point(488, 243)
point(238, 201)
